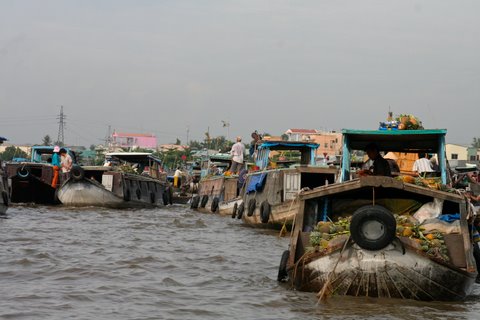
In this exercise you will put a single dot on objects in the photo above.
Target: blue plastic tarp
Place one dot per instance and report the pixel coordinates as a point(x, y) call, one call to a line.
point(449, 217)
point(256, 183)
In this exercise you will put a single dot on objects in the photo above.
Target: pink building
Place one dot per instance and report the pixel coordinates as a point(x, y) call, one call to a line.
point(330, 141)
point(134, 140)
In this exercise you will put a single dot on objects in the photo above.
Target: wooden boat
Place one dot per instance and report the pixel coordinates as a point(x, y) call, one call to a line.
point(117, 186)
point(370, 236)
point(215, 187)
point(270, 197)
point(31, 182)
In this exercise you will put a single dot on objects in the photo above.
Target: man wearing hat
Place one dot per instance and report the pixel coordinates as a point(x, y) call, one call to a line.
point(56, 166)
point(237, 152)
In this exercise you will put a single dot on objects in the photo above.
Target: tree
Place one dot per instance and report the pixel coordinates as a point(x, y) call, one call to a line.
point(476, 143)
point(47, 141)
point(178, 142)
point(285, 137)
point(92, 147)
point(12, 152)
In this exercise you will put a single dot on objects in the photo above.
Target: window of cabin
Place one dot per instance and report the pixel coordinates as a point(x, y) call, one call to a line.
point(454, 156)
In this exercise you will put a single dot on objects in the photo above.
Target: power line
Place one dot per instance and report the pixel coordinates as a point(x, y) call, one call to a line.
point(61, 125)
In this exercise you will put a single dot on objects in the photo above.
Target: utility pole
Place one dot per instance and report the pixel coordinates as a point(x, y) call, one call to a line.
point(188, 132)
point(108, 138)
point(61, 126)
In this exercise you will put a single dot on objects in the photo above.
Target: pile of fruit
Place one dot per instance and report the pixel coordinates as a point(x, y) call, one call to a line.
point(432, 244)
point(325, 231)
point(408, 122)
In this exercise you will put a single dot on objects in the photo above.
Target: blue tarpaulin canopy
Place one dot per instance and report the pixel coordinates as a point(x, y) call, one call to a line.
point(3, 139)
point(256, 183)
point(289, 145)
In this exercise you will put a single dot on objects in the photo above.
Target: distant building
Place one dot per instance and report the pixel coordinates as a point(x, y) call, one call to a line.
point(134, 140)
point(330, 142)
point(300, 134)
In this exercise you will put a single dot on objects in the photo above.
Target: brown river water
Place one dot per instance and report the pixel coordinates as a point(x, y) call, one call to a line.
point(169, 263)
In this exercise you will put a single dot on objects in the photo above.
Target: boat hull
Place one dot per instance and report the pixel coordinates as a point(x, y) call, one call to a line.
point(90, 193)
point(389, 273)
point(281, 214)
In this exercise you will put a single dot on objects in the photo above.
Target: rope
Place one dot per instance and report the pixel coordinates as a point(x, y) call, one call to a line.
point(323, 292)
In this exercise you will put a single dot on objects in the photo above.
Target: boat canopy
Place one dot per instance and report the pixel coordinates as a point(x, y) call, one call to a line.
point(409, 141)
point(307, 150)
point(143, 158)
point(40, 154)
point(3, 139)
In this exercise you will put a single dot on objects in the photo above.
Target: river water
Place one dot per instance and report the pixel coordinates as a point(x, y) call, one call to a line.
point(169, 263)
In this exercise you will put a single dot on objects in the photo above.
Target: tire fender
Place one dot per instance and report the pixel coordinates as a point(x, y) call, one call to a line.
point(204, 201)
point(195, 202)
point(252, 204)
point(214, 206)
point(373, 227)
point(265, 211)
point(77, 173)
point(240, 210)
point(234, 210)
point(23, 172)
point(282, 269)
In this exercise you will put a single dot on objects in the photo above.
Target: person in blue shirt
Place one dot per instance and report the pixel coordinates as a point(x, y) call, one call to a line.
point(56, 166)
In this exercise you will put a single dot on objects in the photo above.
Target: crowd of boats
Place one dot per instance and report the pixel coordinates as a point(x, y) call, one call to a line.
point(396, 236)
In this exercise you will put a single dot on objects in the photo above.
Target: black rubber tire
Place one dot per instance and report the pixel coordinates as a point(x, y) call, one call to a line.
point(204, 201)
point(240, 210)
point(23, 173)
point(77, 173)
point(282, 268)
point(138, 192)
point(165, 198)
point(153, 197)
point(234, 211)
point(170, 195)
point(195, 202)
point(127, 196)
point(265, 211)
point(386, 222)
point(252, 204)
point(214, 205)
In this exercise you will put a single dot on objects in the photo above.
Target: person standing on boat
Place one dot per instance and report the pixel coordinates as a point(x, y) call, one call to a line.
point(56, 166)
point(422, 166)
point(177, 178)
point(237, 152)
point(380, 166)
point(254, 144)
point(66, 160)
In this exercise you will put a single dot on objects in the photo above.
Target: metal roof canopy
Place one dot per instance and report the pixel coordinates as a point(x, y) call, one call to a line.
point(412, 141)
point(396, 140)
point(134, 157)
point(287, 145)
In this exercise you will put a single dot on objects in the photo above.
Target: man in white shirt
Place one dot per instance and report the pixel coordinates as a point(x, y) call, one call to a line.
point(237, 152)
point(422, 166)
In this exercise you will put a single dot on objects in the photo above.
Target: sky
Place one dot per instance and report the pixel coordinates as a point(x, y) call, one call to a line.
point(169, 67)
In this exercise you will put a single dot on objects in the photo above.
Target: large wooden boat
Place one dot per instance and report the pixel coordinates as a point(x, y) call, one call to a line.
point(216, 187)
point(380, 236)
point(31, 182)
point(117, 186)
point(270, 198)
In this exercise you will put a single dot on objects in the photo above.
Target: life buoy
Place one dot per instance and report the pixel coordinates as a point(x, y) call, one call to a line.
point(234, 211)
point(23, 173)
point(126, 195)
point(282, 269)
point(240, 210)
point(204, 201)
point(214, 206)
point(373, 227)
point(6, 200)
point(77, 173)
point(265, 211)
point(252, 204)
point(195, 202)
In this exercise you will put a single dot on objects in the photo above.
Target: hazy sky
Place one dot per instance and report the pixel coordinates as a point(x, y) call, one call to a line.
point(162, 66)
